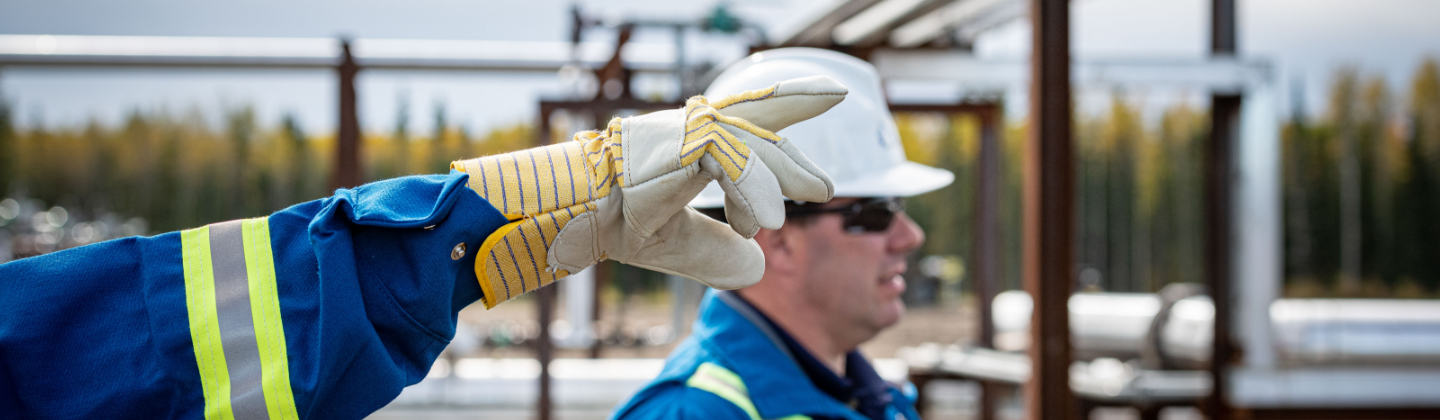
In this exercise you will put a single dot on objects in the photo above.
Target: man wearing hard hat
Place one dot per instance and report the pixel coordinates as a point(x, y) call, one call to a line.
point(329, 308)
point(786, 347)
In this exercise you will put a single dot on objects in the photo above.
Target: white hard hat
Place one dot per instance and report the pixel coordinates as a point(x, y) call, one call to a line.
point(856, 142)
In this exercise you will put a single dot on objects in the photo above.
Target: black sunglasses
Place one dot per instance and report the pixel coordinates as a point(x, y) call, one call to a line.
point(867, 215)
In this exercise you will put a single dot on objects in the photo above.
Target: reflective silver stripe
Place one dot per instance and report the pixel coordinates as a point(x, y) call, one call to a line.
point(237, 327)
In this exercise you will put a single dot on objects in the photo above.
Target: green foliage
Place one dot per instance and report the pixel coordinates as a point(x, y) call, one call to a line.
point(1396, 153)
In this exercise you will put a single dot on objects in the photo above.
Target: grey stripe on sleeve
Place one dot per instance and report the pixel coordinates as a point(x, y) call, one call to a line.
point(237, 326)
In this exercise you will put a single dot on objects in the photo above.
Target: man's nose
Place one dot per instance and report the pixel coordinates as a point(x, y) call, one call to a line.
point(905, 235)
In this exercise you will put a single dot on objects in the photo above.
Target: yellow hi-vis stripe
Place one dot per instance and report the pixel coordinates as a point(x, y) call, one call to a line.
point(243, 252)
point(269, 331)
point(726, 384)
point(205, 323)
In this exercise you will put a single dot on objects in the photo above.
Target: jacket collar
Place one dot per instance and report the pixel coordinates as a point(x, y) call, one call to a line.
point(749, 347)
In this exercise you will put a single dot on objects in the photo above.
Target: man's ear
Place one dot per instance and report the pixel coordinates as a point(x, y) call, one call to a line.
point(780, 248)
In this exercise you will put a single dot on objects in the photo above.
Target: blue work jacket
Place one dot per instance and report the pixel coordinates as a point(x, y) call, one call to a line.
point(735, 366)
point(326, 309)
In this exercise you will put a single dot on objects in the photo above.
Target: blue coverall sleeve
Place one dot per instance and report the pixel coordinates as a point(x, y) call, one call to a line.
point(367, 285)
point(677, 401)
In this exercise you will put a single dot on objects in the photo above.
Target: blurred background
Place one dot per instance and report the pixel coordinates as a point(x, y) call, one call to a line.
point(142, 117)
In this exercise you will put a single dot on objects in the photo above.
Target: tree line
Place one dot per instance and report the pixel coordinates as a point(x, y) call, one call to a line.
point(1361, 185)
point(181, 171)
point(1361, 181)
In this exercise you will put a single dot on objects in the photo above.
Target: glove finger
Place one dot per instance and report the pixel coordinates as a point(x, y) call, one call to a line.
point(649, 205)
point(785, 103)
point(701, 249)
point(799, 178)
point(753, 201)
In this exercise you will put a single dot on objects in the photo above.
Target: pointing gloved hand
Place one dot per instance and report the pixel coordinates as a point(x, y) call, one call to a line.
point(621, 193)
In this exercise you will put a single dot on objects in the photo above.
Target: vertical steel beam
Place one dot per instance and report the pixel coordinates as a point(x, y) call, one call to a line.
point(986, 248)
point(1219, 172)
point(545, 300)
point(544, 348)
point(684, 89)
point(347, 145)
point(602, 279)
point(1222, 28)
point(1049, 213)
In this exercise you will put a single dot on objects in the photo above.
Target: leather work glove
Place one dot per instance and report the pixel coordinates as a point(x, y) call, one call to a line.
point(621, 193)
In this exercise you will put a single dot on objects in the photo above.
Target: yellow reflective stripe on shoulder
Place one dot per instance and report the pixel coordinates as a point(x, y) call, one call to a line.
point(233, 307)
point(725, 384)
point(205, 323)
point(269, 331)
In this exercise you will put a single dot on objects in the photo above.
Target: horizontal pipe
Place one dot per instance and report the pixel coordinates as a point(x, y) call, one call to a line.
point(1306, 331)
point(307, 53)
point(213, 62)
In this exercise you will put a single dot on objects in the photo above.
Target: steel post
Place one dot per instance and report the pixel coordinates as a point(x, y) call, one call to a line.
point(602, 279)
point(986, 249)
point(544, 349)
point(544, 304)
point(1049, 212)
point(1219, 172)
point(347, 143)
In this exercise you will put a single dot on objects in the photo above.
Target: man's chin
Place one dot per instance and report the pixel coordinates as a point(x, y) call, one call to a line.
point(891, 314)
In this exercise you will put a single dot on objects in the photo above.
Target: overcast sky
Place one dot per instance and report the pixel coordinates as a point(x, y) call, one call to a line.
point(1305, 39)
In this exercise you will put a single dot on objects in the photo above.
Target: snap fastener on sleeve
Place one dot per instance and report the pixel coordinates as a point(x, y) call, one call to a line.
point(458, 252)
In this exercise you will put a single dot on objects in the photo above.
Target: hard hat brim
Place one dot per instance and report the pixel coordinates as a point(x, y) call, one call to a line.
point(906, 179)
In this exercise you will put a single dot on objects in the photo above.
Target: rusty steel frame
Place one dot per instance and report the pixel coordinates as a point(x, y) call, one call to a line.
point(985, 258)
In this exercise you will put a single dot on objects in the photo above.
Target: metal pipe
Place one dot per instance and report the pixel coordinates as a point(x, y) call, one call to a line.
point(319, 53)
point(1306, 332)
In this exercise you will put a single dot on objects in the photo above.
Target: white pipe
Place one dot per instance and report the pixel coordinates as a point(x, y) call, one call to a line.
point(1258, 246)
